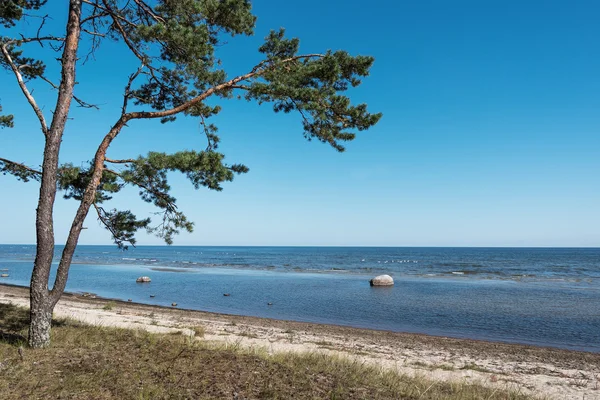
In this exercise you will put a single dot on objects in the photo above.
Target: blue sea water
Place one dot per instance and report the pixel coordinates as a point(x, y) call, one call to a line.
point(540, 296)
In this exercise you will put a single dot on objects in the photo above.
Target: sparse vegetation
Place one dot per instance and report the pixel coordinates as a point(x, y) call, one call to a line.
point(324, 343)
point(475, 367)
point(109, 306)
point(199, 331)
point(108, 363)
point(421, 364)
point(248, 335)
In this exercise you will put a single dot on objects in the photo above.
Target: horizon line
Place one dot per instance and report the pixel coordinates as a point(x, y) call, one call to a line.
point(330, 246)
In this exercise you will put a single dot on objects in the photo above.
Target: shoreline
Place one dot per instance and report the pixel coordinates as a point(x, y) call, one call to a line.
point(546, 371)
point(327, 326)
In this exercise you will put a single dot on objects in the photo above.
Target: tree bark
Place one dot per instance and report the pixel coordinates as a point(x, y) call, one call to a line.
point(40, 315)
point(41, 301)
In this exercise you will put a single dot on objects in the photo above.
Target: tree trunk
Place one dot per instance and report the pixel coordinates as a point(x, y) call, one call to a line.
point(41, 301)
point(40, 319)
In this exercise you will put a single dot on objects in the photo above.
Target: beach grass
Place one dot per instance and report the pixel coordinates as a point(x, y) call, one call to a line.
point(86, 362)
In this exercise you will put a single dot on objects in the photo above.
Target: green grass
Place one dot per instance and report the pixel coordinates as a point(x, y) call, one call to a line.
point(109, 306)
point(86, 362)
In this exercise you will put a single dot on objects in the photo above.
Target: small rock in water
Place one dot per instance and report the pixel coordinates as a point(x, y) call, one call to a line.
point(174, 304)
point(269, 304)
point(129, 300)
point(152, 295)
point(4, 275)
point(143, 279)
point(226, 294)
point(382, 280)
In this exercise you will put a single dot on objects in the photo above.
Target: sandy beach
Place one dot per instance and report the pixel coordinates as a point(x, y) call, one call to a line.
point(550, 373)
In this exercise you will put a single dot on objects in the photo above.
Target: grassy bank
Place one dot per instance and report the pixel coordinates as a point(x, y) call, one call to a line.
point(88, 362)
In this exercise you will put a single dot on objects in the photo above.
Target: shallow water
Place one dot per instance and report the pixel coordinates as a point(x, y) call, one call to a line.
point(533, 296)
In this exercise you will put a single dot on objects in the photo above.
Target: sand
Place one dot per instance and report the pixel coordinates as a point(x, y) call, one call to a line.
point(550, 373)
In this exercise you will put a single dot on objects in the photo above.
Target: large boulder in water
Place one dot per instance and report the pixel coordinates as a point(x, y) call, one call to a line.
point(143, 279)
point(382, 280)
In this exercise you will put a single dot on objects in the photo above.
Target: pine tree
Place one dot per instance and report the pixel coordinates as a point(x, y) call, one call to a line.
point(178, 72)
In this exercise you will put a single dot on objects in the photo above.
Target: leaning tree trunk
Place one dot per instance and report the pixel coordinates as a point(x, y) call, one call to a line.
point(42, 301)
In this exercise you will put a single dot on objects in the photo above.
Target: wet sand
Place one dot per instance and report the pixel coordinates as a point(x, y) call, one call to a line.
point(549, 372)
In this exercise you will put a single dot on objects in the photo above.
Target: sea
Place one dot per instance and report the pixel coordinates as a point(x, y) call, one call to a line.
point(536, 296)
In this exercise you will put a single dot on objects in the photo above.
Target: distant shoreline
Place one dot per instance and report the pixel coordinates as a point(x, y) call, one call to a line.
point(321, 246)
point(538, 370)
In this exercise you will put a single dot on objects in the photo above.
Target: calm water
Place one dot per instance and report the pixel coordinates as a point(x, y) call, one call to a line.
point(534, 296)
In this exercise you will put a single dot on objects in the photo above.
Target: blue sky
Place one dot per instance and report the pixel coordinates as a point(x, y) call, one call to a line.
point(490, 134)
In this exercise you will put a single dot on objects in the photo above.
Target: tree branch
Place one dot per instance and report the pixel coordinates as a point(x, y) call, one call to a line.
point(232, 83)
point(300, 110)
point(140, 56)
point(148, 10)
point(209, 136)
point(93, 17)
point(21, 171)
point(127, 92)
point(243, 87)
point(145, 60)
point(121, 30)
point(93, 33)
point(108, 11)
point(103, 219)
point(171, 206)
point(26, 92)
point(81, 103)
point(126, 161)
point(35, 39)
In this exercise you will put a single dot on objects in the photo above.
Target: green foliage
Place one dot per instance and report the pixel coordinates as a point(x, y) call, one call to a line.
point(19, 171)
point(149, 174)
point(74, 180)
point(178, 46)
point(12, 10)
point(29, 67)
point(175, 43)
point(122, 225)
point(6, 121)
point(204, 168)
point(311, 86)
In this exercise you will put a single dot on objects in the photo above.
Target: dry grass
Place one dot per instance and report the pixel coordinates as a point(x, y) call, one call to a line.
point(88, 362)
point(199, 331)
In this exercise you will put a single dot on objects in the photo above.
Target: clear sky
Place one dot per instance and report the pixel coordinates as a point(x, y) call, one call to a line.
point(490, 134)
